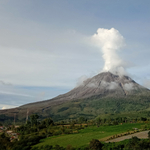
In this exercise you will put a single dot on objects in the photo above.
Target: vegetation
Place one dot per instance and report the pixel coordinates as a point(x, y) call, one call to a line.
point(78, 134)
point(95, 145)
point(105, 106)
point(4, 142)
point(91, 132)
point(131, 144)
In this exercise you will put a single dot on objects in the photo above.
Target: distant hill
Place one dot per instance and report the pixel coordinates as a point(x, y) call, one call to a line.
point(105, 93)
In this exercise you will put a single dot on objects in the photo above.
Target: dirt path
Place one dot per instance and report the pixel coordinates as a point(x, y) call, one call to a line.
point(141, 135)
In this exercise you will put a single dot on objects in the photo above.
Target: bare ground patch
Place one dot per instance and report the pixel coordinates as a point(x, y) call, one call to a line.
point(141, 135)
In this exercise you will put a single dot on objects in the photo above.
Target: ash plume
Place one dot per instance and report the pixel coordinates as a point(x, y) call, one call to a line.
point(110, 42)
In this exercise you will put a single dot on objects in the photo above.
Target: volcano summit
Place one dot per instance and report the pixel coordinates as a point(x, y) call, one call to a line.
point(105, 93)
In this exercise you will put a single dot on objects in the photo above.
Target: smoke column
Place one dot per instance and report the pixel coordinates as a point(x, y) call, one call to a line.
point(110, 42)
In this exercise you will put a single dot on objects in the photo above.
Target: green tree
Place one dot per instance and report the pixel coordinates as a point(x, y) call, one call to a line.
point(57, 147)
point(149, 134)
point(143, 119)
point(115, 123)
point(95, 145)
point(34, 118)
point(1, 124)
point(48, 122)
point(98, 121)
point(133, 144)
point(104, 120)
point(4, 142)
point(69, 147)
point(82, 120)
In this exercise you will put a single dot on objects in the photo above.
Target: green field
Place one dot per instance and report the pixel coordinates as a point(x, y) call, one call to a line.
point(86, 135)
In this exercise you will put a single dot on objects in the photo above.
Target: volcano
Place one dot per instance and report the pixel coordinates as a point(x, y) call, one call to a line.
point(103, 94)
point(104, 84)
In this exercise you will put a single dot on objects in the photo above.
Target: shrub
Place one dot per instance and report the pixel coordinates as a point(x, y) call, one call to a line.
point(95, 145)
point(149, 134)
point(58, 132)
point(57, 147)
point(69, 147)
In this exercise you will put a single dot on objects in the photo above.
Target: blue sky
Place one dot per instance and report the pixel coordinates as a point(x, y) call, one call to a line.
point(45, 45)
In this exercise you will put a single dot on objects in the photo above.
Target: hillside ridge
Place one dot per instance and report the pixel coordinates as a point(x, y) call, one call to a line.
point(101, 90)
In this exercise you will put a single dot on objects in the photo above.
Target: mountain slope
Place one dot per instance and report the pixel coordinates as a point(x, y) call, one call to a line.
point(102, 94)
point(104, 83)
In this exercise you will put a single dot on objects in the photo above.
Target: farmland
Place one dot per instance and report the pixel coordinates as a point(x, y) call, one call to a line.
point(84, 136)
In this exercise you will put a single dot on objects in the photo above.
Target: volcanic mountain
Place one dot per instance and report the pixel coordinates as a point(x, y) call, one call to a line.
point(105, 93)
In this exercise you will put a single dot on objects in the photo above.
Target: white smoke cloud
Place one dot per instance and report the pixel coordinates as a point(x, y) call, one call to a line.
point(112, 86)
point(109, 85)
point(110, 42)
point(128, 86)
point(92, 85)
point(104, 84)
point(81, 80)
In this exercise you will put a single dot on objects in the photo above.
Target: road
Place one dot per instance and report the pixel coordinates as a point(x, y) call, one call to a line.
point(141, 135)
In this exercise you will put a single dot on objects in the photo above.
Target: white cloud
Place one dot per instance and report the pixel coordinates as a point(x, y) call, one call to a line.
point(16, 94)
point(109, 85)
point(60, 65)
point(146, 83)
point(4, 83)
point(19, 95)
point(3, 106)
point(112, 86)
point(46, 50)
point(92, 85)
point(128, 86)
point(34, 54)
point(81, 80)
point(110, 42)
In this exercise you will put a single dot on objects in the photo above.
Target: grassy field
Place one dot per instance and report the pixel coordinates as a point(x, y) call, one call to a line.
point(86, 135)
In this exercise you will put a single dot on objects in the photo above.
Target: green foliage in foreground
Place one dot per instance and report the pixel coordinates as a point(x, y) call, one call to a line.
point(81, 140)
point(131, 144)
point(86, 135)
